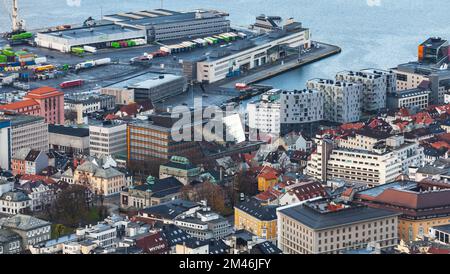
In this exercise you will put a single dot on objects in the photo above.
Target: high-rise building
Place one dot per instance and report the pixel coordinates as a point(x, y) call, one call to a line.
point(342, 100)
point(5, 143)
point(46, 102)
point(107, 138)
point(29, 132)
point(264, 115)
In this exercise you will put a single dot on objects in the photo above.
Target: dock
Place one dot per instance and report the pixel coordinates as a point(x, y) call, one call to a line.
point(271, 70)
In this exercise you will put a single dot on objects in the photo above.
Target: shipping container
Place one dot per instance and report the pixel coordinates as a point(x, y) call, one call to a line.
point(103, 61)
point(90, 49)
point(44, 68)
point(40, 60)
point(73, 83)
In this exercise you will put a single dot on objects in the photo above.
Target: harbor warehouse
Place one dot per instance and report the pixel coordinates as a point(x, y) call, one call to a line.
point(251, 53)
point(154, 25)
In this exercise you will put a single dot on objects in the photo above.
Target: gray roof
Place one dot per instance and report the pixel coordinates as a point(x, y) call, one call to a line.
point(69, 131)
point(100, 172)
point(259, 211)
point(319, 221)
point(22, 222)
point(7, 236)
point(443, 228)
point(15, 196)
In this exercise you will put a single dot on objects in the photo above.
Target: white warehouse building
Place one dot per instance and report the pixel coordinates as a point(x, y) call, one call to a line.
point(251, 53)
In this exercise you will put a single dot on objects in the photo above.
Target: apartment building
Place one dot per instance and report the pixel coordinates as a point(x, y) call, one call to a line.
point(342, 100)
point(107, 138)
point(265, 115)
point(299, 107)
point(29, 161)
point(327, 227)
point(205, 225)
point(374, 88)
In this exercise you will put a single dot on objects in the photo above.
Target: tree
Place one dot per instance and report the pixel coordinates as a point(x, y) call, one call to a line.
point(245, 182)
point(212, 193)
point(71, 207)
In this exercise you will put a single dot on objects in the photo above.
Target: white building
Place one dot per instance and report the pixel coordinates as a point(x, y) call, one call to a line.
point(342, 100)
point(104, 235)
point(359, 161)
point(412, 99)
point(301, 107)
point(264, 115)
point(14, 202)
point(250, 53)
point(375, 87)
point(5, 144)
point(107, 139)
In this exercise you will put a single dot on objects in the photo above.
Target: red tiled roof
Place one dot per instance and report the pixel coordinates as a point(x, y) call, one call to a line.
point(19, 105)
point(440, 144)
point(33, 178)
point(351, 126)
point(44, 92)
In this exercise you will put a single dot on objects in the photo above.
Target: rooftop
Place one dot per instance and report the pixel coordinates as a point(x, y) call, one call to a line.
point(84, 32)
point(22, 222)
point(317, 220)
point(256, 209)
point(69, 131)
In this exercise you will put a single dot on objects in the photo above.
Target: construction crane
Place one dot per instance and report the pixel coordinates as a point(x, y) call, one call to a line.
point(18, 25)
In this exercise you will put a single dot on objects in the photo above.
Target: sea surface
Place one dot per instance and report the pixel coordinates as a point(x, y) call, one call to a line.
point(372, 33)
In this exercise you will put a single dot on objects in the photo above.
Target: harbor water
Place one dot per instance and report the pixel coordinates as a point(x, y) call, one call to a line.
point(371, 33)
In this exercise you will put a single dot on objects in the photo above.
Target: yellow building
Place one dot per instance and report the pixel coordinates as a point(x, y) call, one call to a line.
point(267, 178)
point(422, 204)
point(105, 181)
point(256, 218)
point(411, 230)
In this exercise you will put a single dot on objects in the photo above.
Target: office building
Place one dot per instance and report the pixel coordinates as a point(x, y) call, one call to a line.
point(29, 132)
point(69, 139)
point(431, 71)
point(107, 138)
point(5, 143)
point(422, 205)
point(414, 100)
point(327, 227)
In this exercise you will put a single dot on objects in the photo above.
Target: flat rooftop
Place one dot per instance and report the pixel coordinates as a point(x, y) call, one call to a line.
point(408, 93)
point(401, 185)
point(251, 42)
point(85, 32)
point(159, 16)
point(147, 80)
point(314, 219)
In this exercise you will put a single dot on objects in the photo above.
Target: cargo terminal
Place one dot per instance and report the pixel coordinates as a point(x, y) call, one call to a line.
point(244, 55)
point(151, 26)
